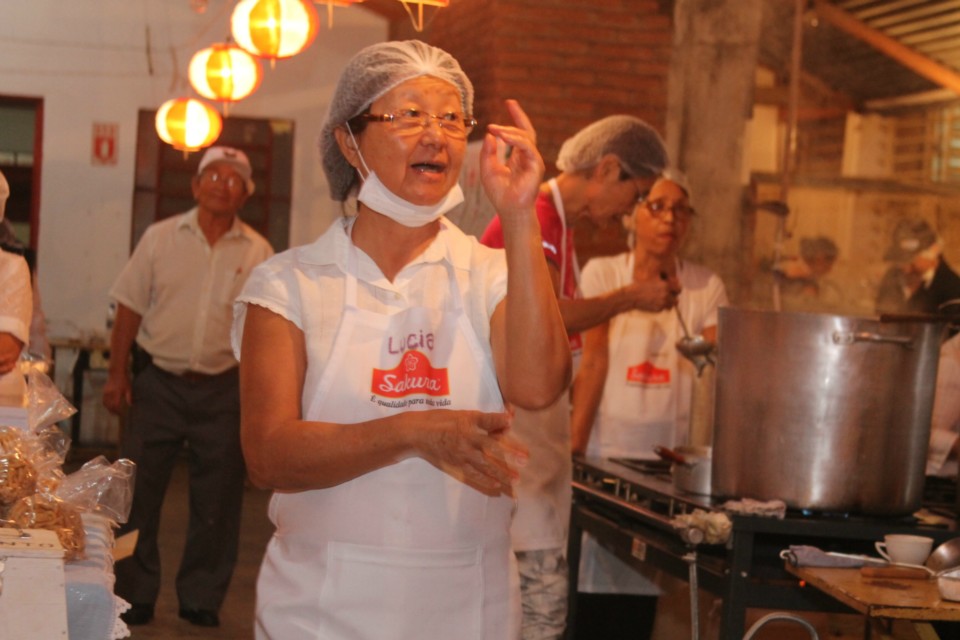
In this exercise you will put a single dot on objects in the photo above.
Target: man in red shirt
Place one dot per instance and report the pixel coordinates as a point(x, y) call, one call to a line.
point(605, 169)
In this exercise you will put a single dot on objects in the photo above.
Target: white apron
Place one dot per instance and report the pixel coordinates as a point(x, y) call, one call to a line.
point(576, 340)
point(543, 493)
point(640, 409)
point(405, 552)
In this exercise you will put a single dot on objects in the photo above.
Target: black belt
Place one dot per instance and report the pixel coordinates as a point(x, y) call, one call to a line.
point(196, 376)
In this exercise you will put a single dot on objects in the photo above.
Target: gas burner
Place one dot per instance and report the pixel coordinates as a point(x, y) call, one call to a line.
point(846, 516)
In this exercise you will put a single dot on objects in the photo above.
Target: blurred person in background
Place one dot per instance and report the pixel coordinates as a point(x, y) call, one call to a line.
point(604, 170)
point(944, 450)
point(377, 361)
point(919, 280)
point(634, 391)
point(805, 285)
point(16, 305)
point(39, 344)
point(174, 311)
point(945, 425)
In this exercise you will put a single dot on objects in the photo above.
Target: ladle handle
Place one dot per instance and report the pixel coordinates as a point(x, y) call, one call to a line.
point(669, 454)
point(683, 325)
point(915, 317)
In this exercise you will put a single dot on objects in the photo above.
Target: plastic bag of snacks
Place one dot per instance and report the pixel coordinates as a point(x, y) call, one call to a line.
point(44, 511)
point(101, 487)
point(18, 475)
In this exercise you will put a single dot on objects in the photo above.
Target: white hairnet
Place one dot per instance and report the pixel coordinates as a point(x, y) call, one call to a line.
point(4, 194)
point(678, 178)
point(637, 144)
point(371, 73)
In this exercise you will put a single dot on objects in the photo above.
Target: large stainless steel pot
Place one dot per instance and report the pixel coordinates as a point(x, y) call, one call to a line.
point(825, 412)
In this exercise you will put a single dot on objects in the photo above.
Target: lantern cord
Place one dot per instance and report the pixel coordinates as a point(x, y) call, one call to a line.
point(149, 51)
point(416, 20)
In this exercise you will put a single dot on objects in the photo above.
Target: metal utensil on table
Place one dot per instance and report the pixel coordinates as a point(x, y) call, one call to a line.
point(945, 556)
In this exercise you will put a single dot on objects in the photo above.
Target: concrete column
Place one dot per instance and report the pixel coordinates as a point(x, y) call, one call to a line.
point(710, 96)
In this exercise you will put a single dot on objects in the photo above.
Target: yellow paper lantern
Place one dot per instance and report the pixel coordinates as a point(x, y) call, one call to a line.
point(224, 72)
point(188, 124)
point(274, 29)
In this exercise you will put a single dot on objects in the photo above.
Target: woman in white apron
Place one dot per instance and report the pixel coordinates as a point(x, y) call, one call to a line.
point(633, 390)
point(375, 367)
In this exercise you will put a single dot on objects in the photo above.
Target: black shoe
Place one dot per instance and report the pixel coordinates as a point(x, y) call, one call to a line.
point(201, 617)
point(137, 614)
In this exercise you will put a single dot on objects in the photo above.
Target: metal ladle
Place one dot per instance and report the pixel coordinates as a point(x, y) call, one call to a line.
point(696, 349)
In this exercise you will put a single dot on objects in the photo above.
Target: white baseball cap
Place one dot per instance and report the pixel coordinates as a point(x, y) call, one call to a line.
point(234, 157)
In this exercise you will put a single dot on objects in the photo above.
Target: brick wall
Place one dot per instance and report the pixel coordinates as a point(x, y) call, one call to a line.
point(568, 62)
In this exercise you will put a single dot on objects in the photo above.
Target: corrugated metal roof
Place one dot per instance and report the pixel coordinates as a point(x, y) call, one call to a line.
point(928, 29)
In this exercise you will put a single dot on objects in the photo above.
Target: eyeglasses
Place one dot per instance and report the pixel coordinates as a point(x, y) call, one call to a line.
point(408, 122)
point(231, 182)
point(658, 208)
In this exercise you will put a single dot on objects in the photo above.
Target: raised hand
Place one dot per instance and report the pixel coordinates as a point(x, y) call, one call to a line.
point(511, 183)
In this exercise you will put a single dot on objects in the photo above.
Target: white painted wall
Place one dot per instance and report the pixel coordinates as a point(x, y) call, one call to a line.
point(89, 61)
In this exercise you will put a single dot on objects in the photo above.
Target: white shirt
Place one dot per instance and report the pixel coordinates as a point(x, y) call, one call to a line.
point(703, 294)
point(305, 285)
point(16, 297)
point(184, 290)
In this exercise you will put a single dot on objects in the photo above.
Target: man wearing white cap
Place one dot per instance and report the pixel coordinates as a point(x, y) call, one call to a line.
point(919, 280)
point(174, 311)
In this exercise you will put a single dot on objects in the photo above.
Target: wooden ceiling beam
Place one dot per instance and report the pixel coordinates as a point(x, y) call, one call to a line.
point(906, 56)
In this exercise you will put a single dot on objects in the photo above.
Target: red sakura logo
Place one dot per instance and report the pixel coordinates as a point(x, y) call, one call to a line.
point(647, 373)
point(413, 375)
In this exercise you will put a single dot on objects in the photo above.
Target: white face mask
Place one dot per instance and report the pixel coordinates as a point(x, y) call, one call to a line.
point(378, 197)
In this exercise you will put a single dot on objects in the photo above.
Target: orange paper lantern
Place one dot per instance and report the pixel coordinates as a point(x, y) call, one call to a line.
point(188, 124)
point(224, 72)
point(274, 29)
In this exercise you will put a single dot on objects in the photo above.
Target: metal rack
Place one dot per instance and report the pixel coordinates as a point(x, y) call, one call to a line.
point(629, 512)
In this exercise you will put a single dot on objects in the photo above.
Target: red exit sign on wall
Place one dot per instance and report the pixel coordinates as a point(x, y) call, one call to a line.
point(104, 150)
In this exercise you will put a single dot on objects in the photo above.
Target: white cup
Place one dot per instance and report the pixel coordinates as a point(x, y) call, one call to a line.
point(905, 549)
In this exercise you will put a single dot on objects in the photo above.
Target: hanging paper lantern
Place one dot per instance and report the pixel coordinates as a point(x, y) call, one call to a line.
point(224, 72)
point(188, 124)
point(274, 29)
